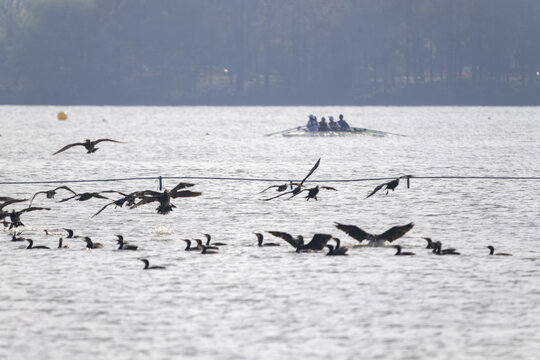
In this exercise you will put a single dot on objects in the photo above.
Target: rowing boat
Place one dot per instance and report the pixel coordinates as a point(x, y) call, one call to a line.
point(302, 131)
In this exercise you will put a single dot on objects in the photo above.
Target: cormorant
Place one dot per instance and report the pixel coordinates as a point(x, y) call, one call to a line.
point(31, 245)
point(260, 241)
point(391, 185)
point(189, 248)
point(208, 250)
point(298, 188)
point(209, 238)
point(128, 199)
point(60, 241)
point(123, 245)
point(146, 267)
point(492, 250)
point(50, 193)
point(89, 145)
point(164, 198)
point(15, 216)
point(375, 239)
point(399, 252)
point(92, 245)
point(317, 243)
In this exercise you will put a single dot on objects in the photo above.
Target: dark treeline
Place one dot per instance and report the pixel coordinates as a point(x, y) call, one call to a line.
point(169, 52)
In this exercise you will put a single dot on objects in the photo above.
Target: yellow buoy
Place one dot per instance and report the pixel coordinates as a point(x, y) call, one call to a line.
point(62, 115)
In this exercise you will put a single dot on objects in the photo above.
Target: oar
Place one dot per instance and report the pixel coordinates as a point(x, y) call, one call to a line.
point(283, 131)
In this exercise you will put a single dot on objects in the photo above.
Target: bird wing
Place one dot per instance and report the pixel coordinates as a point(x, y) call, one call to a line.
point(318, 242)
point(273, 197)
point(395, 232)
point(32, 199)
point(68, 146)
point(65, 188)
point(311, 171)
point(271, 186)
point(11, 201)
point(180, 186)
point(146, 193)
point(103, 208)
point(285, 236)
point(377, 188)
point(186, 193)
point(111, 140)
point(69, 198)
point(145, 200)
point(33, 209)
point(328, 188)
point(353, 231)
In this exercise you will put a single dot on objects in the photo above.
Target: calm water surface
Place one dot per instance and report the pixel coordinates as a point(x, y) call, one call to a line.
point(268, 303)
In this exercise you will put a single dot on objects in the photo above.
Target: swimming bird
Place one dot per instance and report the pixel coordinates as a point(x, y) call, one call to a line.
point(89, 145)
point(92, 245)
point(164, 198)
point(317, 243)
point(209, 238)
point(399, 252)
point(338, 250)
point(298, 188)
point(147, 267)
point(439, 251)
point(200, 245)
point(391, 185)
point(16, 237)
point(189, 248)
point(31, 245)
point(15, 216)
point(70, 234)
point(50, 193)
point(123, 245)
point(207, 250)
point(260, 241)
point(60, 241)
point(389, 235)
point(492, 252)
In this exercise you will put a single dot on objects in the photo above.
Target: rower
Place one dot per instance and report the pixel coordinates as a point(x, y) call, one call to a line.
point(332, 124)
point(343, 124)
point(323, 125)
point(312, 123)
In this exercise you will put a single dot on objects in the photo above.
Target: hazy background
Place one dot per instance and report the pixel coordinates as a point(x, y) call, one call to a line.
point(176, 52)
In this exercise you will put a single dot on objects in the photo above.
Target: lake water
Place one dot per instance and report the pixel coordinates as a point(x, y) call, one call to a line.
point(271, 303)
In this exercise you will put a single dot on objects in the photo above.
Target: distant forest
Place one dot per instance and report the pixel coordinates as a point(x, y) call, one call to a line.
point(270, 52)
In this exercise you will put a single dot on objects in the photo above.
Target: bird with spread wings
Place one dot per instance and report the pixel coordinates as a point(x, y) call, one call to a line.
point(164, 198)
point(298, 188)
point(389, 235)
point(89, 145)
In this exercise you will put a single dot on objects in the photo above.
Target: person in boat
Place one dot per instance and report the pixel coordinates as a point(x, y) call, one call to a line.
point(332, 124)
point(312, 123)
point(343, 126)
point(323, 125)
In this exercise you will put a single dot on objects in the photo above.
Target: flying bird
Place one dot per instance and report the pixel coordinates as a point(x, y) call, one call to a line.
point(313, 192)
point(164, 198)
point(89, 145)
point(391, 185)
point(15, 216)
point(279, 188)
point(389, 235)
point(50, 193)
point(298, 188)
point(89, 195)
point(128, 199)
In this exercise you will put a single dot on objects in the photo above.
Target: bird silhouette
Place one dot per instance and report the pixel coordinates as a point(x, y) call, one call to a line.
point(164, 198)
point(314, 191)
point(51, 193)
point(317, 243)
point(128, 199)
point(391, 185)
point(89, 145)
point(298, 188)
point(89, 195)
point(389, 235)
point(492, 251)
point(15, 216)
